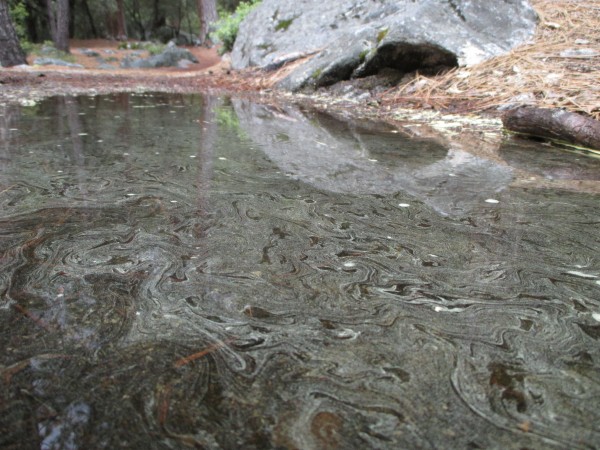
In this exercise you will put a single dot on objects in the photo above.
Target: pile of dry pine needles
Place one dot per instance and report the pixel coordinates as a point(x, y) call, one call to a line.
point(559, 68)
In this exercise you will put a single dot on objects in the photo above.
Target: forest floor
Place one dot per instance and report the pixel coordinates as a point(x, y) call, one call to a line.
point(559, 68)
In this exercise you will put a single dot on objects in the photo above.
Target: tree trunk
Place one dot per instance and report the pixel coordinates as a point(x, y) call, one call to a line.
point(554, 124)
point(58, 18)
point(207, 13)
point(121, 24)
point(158, 17)
point(36, 14)
point(88, 14)
point(11, 53)
point(72, 21)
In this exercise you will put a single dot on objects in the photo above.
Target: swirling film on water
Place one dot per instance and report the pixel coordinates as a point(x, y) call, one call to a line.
point(188, 271)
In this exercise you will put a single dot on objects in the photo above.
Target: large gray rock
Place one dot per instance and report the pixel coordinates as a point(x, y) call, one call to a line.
point(55, 62)
point(168, 58)
point(353, 38)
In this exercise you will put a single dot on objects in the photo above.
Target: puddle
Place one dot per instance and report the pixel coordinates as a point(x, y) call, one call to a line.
point(187, 271)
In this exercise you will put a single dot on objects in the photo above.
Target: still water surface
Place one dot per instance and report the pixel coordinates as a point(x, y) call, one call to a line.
point(187, 271)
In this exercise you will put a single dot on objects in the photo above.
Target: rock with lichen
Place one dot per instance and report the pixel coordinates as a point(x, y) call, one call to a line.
point(356, 38)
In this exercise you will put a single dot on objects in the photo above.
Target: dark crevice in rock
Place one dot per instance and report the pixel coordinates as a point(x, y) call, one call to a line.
point(457, 10)
point(404, 57)
point(334, 75)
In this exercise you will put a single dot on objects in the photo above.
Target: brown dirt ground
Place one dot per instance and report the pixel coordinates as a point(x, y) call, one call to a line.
point(540, 73)
point(35, 82)
point(107, 49)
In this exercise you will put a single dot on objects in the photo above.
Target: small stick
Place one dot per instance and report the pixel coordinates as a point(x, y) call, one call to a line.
point(211, 348)
point(10, 371)
point(33, 317)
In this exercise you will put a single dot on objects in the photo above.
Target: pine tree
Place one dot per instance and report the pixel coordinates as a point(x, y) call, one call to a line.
point(207, 12)
point(11, 53)
point(58, 18)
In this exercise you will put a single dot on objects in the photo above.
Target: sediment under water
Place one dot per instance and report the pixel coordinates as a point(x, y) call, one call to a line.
point(200, 271)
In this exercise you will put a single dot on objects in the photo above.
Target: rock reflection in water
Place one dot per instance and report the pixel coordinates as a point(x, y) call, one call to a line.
point(183, 271)
point(355, 158)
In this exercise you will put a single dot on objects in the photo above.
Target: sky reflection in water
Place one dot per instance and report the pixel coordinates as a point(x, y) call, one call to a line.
point(199, 271)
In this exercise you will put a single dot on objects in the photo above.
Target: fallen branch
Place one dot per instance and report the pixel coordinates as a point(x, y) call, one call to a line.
point(554, 124)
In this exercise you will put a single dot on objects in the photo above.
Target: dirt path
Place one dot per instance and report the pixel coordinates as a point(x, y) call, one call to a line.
point(31, 83)
point(109, 52)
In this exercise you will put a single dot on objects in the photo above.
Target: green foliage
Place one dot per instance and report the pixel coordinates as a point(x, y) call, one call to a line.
point(228, 120)
point(226, 7)
point(27, 46)
point(151, 47)
point(283, 24)
point(316, 74)
point(266, 47)
point(226, 28)
point(382, 34)
point(47, 50)
point(19, 14)
point(363, 55)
